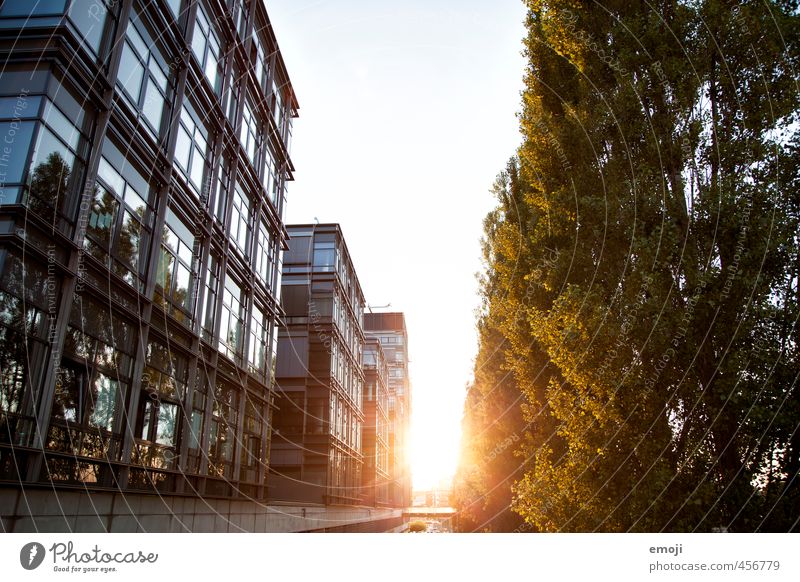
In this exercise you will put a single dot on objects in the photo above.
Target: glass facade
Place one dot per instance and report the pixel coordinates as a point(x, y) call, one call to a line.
point(320, 418)
point(141, 246)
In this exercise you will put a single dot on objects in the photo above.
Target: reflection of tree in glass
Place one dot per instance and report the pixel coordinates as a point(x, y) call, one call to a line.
point(49, 182)
point(169, 269)
point(13, 371)
point(101, 221)
point(21, 354)
point(126, 244)
point(102, 402)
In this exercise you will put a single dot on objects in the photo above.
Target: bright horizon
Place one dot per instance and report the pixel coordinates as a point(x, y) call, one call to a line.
point(407, 114)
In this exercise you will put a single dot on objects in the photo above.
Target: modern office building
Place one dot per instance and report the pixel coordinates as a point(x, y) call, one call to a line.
point(375, 439)
point(144, 155)
point(390, 330)
point(316, 444)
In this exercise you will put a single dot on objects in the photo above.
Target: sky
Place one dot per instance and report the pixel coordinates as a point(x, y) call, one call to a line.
point(407, 114)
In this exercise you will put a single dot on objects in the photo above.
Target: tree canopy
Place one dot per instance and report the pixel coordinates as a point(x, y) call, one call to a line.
point(638, 331)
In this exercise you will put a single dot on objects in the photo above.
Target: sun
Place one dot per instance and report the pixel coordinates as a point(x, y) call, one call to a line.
point(434, 449)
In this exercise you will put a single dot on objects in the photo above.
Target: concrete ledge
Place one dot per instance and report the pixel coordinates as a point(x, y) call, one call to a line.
point(48, 511)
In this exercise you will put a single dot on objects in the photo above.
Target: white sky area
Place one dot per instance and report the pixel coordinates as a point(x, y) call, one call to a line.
point(407, 114)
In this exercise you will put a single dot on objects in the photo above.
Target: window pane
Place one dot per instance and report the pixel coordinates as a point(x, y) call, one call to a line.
point(198, 166)
point(134, 200)
point(111, 177)
point(195, 429)
point(62, 127)
point(15, 154)
point(147, 419)
point(183, 148)
point(102, 217)
point(183, 292)
point(167, 423)
point(129, 240)
point(102, 402)
point(175, 6)
point(131, 73)
point(28, 8)
point(164, 275)
point(153, 105)
point(69, 388)
point(90, 20)
point(51, 154)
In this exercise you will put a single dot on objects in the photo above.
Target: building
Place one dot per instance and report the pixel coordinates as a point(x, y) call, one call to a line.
point(375, 439)
point(316, 445)
point(390, 330)
point(143, 167)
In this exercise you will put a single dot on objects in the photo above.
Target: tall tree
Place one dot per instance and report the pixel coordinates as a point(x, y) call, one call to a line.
point(650, 316)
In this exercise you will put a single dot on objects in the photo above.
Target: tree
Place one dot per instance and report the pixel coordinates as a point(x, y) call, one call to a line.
point(646, 281)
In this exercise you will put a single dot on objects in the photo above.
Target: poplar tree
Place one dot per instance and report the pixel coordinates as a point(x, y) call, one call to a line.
point(642, 273)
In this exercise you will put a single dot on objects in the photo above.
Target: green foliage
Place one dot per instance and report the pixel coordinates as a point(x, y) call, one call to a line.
point(641, 289)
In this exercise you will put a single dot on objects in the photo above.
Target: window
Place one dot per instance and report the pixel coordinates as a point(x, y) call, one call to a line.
point(175, 7)
point(85, 399)
point(17, 133)
point(240, 220)
point(222, 438)
point(143, 76)
point(118, 229)
point(163, 390)
point(259, 342)
point(197, 415)
point(232, 94)
point(254, 423)
point(324, 255)
point(25, 8)
point(262, 64)
point(92, 380)
point(206, 48)
point(191, 149)
point(277, 104)
point(24, 332)
point(208, 313)
point(265, 256)
point(90, 20)
point(249, 133)
point(268, 174)
point(56, 170)
point(175, 279)
point(231, 325)
point(241, 18)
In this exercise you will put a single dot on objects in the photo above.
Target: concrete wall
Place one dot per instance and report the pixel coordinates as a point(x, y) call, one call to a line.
point(47, 511)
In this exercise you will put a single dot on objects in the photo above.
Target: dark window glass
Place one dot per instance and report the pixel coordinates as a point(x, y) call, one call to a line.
point(206, 48)
point(14, 155)
point(56, 170)
point(118, 228)
point(191, 149)
point(144, 75)
point(24, 329)
point(324, 256)
point(210, 282)
point(32, 8)
point(240, 220)
point(232, 321)
point(90, 18)
point(83, 400)
point(222, 438)
point(175, 279)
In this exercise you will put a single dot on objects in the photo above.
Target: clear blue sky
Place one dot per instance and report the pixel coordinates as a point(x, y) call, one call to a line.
point(407, 113)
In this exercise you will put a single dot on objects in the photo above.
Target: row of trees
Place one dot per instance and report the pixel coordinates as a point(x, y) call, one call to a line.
point(638, 356)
